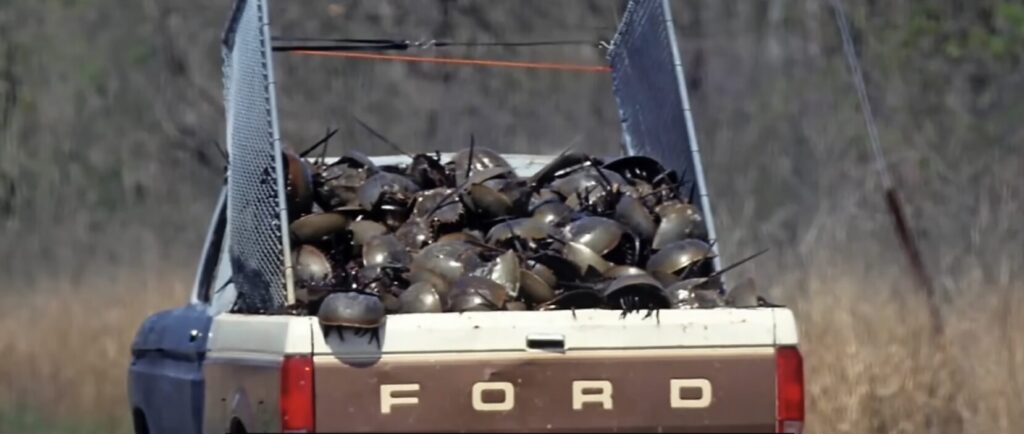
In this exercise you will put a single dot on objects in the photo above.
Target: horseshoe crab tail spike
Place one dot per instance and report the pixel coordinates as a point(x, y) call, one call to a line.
point(469, 161)
point(606, 184)
point(380, 136)
point(220, 149)
point(319, 143)
point(738, 263)
point(323, 151)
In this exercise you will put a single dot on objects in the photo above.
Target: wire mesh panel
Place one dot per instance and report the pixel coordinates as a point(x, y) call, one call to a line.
point(647, 79)
point(256, 203)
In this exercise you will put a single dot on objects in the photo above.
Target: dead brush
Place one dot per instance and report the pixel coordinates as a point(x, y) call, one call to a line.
point(66, 346)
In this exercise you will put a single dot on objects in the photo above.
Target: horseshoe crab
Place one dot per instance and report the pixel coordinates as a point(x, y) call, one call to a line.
point(298, 185)
point(505, 271)
point(519, 233)
point(586, 259)
point(314, 227)
point(469, 234)
point(678, 221)
point(313, 274)
point(351, 309)
point(551, 212)
point(636, 292)
point(449, 259)
point(483, 158)
point(575, 299)
point(534, 287)
point(388, 194)
point(438, 208)
point(385, 250)
point(475, 293)
point(634, 215)
point(680, 256)
point(427, 172)
point(421, 297)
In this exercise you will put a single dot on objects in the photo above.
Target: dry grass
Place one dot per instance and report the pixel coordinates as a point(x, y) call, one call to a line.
point(65, 347)
point(871, 362)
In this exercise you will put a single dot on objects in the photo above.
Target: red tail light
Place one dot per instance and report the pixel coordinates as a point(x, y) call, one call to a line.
point(297, 414)
point(789, 390)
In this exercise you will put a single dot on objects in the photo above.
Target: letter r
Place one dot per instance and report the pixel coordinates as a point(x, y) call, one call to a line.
point(584, 392)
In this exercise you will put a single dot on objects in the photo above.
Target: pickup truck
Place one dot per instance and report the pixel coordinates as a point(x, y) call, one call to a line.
point(212, 367)
point(200, 368)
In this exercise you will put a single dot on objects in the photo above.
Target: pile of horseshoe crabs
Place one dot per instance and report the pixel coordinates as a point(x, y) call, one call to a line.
point(470, 234)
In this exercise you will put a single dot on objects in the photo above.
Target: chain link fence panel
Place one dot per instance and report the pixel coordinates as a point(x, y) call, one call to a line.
point(647, 79)
point(257, 213)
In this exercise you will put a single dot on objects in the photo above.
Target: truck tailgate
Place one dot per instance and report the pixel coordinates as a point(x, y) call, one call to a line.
point(689, 370)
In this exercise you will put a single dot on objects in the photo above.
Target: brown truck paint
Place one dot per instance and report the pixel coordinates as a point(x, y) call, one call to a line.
point(535, 392)
point(246, 388)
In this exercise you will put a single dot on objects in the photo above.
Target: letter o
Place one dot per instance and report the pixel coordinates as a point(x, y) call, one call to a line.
point(506, 404)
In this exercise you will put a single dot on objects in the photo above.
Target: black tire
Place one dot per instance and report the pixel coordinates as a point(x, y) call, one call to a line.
point(237, 427)
point(139, 422)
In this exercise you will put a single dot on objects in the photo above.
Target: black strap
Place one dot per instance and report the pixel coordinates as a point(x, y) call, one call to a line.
point(361, 44)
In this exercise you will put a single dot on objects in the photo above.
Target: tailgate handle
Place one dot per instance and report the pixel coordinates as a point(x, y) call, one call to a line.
point(546, 342)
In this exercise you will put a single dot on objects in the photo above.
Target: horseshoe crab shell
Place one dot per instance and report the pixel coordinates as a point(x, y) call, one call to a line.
point(534, 288)
point(383, 184)
point(552, 267)
point(551, 212)
point(640, 291)
point(298, 185)
point(505, 271)
point(463, 235)
point(448, 259)
point(585, 259)
point(314, 273)
point(678, 221)
point(352, 309)
point(337, 185)
point(414, 234)
point(637, 167)
point(422, 275)
point(311, 266)
point(564, 163)
point(427, 172)
point(677, 256)
point(385, 250)
point(314, 227)
point(358, 160)
point(421, 297)
point(516, 305)
point(589, 186)
point(439, 205)
point(598, 234)
point(527, 230)
point(487, 201)
point(475, 293)
point(623, 270)
point(483, 158)
point(575, 299)
point(634, 215)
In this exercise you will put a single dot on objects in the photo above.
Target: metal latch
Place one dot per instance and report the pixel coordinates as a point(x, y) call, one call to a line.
point(546, 342)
